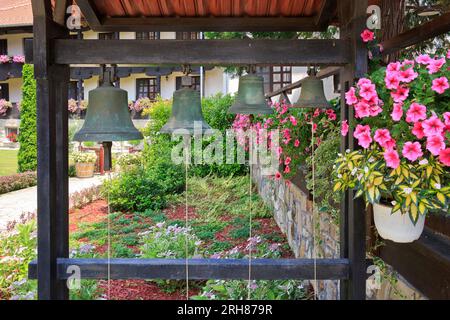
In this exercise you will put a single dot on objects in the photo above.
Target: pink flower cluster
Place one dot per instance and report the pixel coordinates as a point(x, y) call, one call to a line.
point(15, 59)
point(365, 99)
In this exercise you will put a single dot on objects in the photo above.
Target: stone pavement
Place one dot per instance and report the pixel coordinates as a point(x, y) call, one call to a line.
point(13, 204)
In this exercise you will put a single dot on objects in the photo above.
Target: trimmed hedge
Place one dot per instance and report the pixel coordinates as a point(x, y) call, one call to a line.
point(27, 157)
point(17, 182)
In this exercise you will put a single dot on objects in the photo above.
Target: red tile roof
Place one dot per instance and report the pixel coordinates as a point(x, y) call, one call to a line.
point(15, 13)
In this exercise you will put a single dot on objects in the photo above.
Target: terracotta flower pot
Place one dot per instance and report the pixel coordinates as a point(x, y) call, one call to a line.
point(396, 227)
point(85, 170)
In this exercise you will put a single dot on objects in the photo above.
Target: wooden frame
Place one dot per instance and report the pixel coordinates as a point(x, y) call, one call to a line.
point(53, 53)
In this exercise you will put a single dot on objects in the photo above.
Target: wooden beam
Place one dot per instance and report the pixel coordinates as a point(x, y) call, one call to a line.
point(202, 269)
point(205, 52)
point(203, 24)
point(326, 13)
point(52, 148)
point(89, 13)
point(434, 28)
point(59, 13)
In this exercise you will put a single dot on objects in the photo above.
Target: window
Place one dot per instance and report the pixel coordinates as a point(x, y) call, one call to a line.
point(147, 88)
point(275, 77)
point(73, 90)
point(107, 36)
point(195, 82)
point(147, 35)
point(4, 91)
point(281, 77)
point(3, 47)
point(188, 35)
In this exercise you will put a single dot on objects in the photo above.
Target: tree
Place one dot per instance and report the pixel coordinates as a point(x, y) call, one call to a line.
point(27, 158)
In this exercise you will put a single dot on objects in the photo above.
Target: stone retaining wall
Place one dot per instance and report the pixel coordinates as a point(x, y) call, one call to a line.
point(293, 212)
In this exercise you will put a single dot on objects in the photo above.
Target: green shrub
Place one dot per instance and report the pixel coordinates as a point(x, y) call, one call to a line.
point(169, 242)
point(135, 191)
point(17, 250)
point(27, 157)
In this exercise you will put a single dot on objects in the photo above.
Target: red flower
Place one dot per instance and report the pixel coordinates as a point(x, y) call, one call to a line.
point(367, 36)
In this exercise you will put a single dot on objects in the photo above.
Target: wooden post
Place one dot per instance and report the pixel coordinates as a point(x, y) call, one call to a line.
point(352, 15)
point(52, 135)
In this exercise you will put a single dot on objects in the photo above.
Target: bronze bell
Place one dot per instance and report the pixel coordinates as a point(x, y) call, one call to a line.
point(250, 98)
point(312, 94)
point(186, 110)
point(108, 117)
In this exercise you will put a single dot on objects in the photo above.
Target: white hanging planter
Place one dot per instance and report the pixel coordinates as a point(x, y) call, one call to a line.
point(397, 227)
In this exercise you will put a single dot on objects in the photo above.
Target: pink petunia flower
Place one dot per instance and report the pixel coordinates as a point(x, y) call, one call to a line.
point(344, 128)
point(278, 176)
point(433, 126)
point(382, 136)
point(424, 59)
point(368, 91)
point(435, 65)
point(418, 130)
point(350, 97)
point(416, 113)
point(287, 170)
point(412, 151)
point(444, 157)
point(400, 95)
point(392, 80)
point(390, 144)
point(440, 85)
point(397, 113)
point(362, 110)
point(392, 159)
point(367, 35)
point(287, 161)
point(394, 67)
point(361, 130)
point(435, 144)
point(293, 120)
point(365, 140)
point(408, 75)
point(297, 143)
point(447, 121)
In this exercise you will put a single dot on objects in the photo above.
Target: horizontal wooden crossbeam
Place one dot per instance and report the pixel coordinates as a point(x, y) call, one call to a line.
point(202, 52)
point(202, 269)
point(434, 28)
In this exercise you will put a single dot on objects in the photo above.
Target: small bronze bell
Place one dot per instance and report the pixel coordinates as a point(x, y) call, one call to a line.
point(186, 111)
point(312, 94)
point(250, 98)
point(108, 117)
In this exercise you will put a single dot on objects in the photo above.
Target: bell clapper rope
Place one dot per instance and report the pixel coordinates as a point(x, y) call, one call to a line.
point(109, 239)
point(186, 167)
point(250, 162)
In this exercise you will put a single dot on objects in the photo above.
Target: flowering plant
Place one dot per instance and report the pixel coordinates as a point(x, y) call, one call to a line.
point(294, 126)
point(15, 59)
point(74, 106)
point(12, 137)
point(84, 157)
point(404, 130)
point(4, 106)
point(140, 104)
point(130, 159)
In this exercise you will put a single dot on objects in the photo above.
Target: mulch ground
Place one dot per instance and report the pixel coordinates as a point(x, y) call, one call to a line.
point(147, 290)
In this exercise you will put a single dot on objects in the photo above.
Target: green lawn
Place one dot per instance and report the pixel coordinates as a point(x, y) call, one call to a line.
point(8, 162)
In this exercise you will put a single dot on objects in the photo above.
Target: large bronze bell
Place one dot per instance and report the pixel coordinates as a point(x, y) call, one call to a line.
point(312, 94)
point(108, 118)
point(250, 98)
point(186, 111)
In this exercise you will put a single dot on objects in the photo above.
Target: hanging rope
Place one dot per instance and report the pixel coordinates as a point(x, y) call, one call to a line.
point(109, 240)
point(186, 221)
point(250, 160)
point(313, 206)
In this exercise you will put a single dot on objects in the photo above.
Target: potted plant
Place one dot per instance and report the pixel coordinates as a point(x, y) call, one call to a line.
point(403, 129)
point(5, 108)
point(84, 164)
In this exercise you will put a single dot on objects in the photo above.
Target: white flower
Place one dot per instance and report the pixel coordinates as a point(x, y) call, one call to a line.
point(348, 151)
point(340, 176)
point(394, 203)
point(371, 160)
point(408, 191)
point(354, 171)
point(423, 162)
point(366, 170)
point(437, 186)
